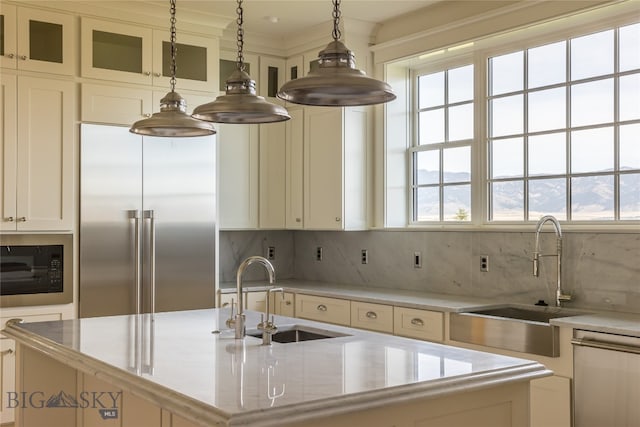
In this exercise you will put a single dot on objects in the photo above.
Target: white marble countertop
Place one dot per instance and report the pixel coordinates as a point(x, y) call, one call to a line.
point(594, 320)
point(217, 380)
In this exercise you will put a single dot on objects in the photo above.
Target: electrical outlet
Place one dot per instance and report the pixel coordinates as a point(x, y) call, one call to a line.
point(484, 263)
point(319, 253)
point(417, 260)
point(364, 256)
point(271, 252)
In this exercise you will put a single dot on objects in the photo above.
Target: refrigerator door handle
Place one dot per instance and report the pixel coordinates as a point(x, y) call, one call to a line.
point(135, 215)
point(149, 214)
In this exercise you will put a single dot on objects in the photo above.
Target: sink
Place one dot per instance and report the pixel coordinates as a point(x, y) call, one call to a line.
point(524, 329)
point(543, 314)
point(298, 333)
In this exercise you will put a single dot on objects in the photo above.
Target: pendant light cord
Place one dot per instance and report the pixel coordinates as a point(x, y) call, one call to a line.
point(240, 37)
point(173, 44)
point(336, 20)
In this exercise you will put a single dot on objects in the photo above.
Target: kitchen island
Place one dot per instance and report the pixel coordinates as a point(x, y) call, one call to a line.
point(185, 369)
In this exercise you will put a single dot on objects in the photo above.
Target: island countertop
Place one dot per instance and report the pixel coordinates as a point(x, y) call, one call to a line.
point(190, 363)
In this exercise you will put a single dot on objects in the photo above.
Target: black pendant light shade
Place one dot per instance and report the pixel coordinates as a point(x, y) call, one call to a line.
point(172, 120)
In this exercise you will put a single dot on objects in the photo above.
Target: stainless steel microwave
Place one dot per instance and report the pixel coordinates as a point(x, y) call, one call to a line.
point(35, 269)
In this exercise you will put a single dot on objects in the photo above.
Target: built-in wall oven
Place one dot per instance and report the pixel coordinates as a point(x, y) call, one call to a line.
point(606, 379)
point(35, 269)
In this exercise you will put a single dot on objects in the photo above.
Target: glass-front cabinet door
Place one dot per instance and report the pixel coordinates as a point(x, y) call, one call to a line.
point(196, 61)
point(112, 51)
point(272, 75)
point(134, 54)
point(35, 40)
point(228, 65)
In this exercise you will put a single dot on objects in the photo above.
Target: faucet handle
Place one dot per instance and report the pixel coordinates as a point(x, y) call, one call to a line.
point(231, 321)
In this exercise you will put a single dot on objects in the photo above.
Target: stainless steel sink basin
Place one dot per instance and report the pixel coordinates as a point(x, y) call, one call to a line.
point(519, 328)
point(298, 333)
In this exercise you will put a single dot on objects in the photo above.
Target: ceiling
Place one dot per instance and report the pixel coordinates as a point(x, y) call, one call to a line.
point(294, 16)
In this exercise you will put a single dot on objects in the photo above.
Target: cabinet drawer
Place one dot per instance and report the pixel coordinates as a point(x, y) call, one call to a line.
point(420, 324)
point(375, 317)
point(283, 304)
point(330, 310)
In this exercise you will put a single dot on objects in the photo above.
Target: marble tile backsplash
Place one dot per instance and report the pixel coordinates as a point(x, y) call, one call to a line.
point(601, 270)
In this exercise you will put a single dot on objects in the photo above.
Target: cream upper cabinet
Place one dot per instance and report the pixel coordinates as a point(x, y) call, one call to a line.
point(335, 168)
point(293, 169)
point(238, 172)
point(294, 68)
point(196, 62)
point(272, 77)
point(38, 157)
point(140, 55)
point(272, 175)
point(228, 64)
point(37, 40)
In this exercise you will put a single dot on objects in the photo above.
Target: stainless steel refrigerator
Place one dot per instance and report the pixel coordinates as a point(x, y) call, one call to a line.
point(148, 232)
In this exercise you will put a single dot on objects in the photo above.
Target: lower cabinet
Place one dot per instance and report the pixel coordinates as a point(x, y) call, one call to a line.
point(374, 317)
point(551, 402)
point(323, 309)
point(283, 304)
point(7, 378)
point(256, 301)
point(8, 361)
point(420, 324)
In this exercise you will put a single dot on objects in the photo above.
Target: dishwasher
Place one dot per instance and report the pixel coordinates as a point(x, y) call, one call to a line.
point(606, 380)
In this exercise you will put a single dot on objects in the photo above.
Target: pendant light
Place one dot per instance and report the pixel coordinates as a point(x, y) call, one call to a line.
point(337, 81)
point(240, 104)
point(172, 120)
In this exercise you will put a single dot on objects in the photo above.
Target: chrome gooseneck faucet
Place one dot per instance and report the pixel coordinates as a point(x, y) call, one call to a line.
point(239, 319)
point(560, 296)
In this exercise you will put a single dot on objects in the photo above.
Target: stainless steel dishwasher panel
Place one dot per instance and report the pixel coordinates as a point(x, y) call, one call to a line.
point(606, 382)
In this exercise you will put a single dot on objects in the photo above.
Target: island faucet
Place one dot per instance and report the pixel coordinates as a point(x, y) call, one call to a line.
point(268, 327)
point(560, 296)
point(239, 319)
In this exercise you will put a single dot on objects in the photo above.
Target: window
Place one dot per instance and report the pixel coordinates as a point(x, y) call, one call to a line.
point(556, 132)
point(564, 129)
point(441, 184)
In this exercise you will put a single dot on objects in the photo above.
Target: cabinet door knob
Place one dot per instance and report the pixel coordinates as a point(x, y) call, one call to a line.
point(157, 74)
point(10, 55)
point(10, 219)
point(338, 219)
point(23, 57)
point(372, 315)
point(8, 351)
point(287, 303)
point(298, 220)
point(322, 307)
point(147, 73)
point(147, 114)
point(417, 322)
point(22, 219)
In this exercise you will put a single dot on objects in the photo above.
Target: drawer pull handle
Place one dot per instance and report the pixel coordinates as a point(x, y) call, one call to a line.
point(372, 315)
point(417, 322)
point(287, 303)
point(322, 307)
point(7, 352)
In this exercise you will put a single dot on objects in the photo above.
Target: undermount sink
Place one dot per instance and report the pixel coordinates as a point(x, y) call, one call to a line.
point(298, 333)
point(511, 327)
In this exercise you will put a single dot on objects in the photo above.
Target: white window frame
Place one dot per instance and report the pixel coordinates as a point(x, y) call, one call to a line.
point(483, 50)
